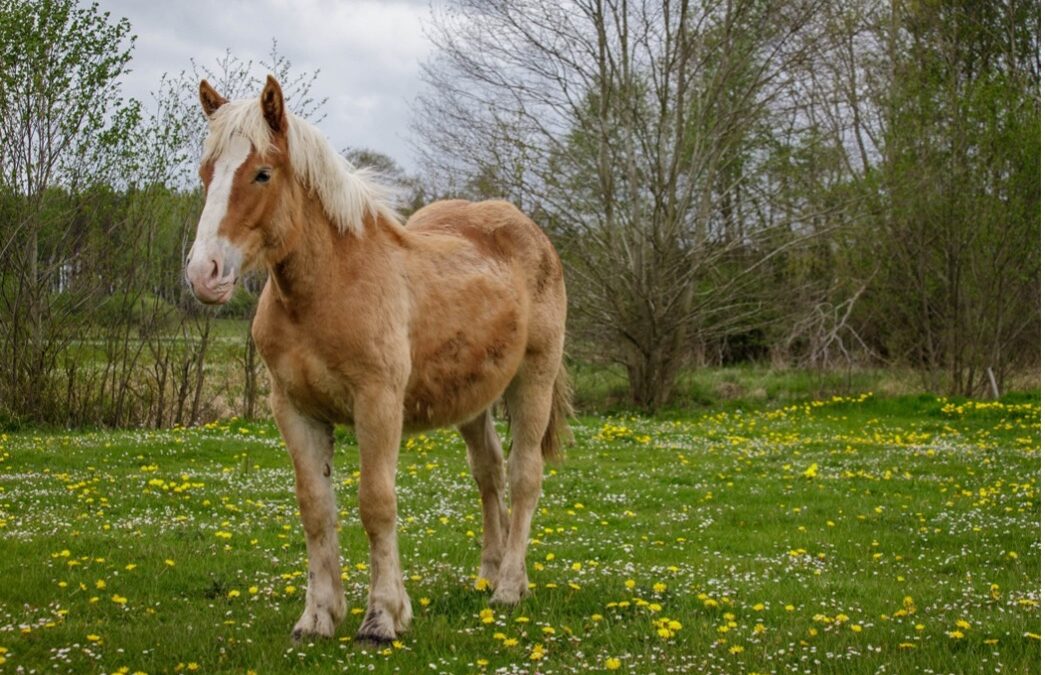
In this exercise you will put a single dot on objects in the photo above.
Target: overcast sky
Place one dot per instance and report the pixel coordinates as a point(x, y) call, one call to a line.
point(368, 53)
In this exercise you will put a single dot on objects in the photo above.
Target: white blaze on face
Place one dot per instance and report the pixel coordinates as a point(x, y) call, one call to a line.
point(214, 261)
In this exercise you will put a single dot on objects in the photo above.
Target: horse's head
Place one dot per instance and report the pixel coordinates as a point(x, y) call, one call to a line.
point(245, 170)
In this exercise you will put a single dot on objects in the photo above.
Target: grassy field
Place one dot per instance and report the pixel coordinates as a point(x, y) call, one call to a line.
point(850, 535)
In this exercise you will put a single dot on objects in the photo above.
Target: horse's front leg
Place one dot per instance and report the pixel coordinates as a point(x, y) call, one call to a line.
point(311, 446)
point(379, 424)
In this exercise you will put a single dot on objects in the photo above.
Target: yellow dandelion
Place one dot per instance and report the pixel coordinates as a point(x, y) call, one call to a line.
point(612, 663)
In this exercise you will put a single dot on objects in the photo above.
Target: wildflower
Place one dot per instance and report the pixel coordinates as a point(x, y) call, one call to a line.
point(856, 628)
point(736, 649)
point(759, 607)
point(963, 624)
point(629, 584)
point(659, 587)
point(481, 584)
point(955, 634)
point(119, 599)
point(510, 642)
point(486, 616)
point(425, 602)
point(612, 663)
point(811, 471)
point(233, 593)
point(537, 653)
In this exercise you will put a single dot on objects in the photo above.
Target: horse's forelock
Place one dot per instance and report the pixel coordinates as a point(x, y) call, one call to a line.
point(348, 195)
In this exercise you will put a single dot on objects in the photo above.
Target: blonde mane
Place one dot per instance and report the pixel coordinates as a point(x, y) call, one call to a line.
point(348, 194)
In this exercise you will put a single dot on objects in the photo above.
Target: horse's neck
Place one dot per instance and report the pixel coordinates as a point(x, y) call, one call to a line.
point(316, 252)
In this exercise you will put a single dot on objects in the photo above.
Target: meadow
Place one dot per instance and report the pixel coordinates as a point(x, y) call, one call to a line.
point(848, 535)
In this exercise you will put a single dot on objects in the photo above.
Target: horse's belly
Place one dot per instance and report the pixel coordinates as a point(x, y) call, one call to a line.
point(443, 393)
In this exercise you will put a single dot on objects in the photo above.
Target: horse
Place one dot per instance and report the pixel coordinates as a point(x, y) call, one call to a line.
point(388, 327)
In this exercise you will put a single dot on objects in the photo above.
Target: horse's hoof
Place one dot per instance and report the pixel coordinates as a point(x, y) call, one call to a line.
point(372, 640)
point(314, 623)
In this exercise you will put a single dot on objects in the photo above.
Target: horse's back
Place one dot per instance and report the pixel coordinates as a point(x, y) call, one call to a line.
point(500, 231)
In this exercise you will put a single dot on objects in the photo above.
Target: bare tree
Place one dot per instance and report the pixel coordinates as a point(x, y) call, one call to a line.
point(626, 128)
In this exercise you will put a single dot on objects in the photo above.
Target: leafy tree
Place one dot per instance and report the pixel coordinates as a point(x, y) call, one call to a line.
point(64, 127)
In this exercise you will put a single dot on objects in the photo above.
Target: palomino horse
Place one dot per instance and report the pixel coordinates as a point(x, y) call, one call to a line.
point(386, 327)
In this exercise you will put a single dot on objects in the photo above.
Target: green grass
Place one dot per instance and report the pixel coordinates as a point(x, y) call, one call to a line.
point(853, 535)
point(601, 387)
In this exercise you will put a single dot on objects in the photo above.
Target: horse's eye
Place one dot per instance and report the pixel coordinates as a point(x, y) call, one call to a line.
point(263, 176)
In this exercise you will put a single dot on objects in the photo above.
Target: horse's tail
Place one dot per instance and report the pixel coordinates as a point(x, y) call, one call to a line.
point(558, 431)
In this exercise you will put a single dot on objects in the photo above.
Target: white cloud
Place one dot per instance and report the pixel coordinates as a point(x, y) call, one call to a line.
point(368, 53)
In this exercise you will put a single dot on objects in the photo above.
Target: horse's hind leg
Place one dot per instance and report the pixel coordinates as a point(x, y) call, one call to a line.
point(311, 447)
point(487, 463)
point(529, 400)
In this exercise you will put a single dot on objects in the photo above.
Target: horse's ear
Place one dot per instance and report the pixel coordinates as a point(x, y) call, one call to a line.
point(210, 99)
point(272, 106)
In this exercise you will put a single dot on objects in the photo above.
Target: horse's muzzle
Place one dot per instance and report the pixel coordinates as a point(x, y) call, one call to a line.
point(212, 278)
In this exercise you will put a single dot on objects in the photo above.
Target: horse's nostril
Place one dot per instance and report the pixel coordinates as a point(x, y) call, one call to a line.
point(215, 271)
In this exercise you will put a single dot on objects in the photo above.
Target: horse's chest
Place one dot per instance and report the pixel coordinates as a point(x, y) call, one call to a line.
point(315, 386)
